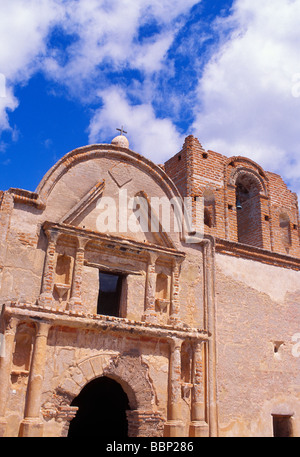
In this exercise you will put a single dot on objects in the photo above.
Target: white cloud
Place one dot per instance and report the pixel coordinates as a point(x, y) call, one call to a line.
point(105, 36)
point(24, 26)
point(8, 102)
point(108, 34)
point(247, 91)
point(157, 139)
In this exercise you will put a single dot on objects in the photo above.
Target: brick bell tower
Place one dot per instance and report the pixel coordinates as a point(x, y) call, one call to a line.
point(243, 204)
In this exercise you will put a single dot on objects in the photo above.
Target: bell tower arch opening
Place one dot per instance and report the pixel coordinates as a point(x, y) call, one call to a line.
point(102, 406)
point(248, 204)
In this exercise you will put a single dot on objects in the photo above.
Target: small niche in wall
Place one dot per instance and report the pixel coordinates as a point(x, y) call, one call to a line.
point(23, 349)
point(63, 276)
point(162, 292)
point(277, 345)
point(186, 370)
point(63, 269)
point(282, 426)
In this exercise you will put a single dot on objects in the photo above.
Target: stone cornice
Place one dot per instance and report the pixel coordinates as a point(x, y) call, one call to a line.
point(260, 255)
point(107, 324)
point(26, 197)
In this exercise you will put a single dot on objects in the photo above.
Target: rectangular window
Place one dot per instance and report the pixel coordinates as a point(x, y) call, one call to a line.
point(282, 426)
point(109, 298)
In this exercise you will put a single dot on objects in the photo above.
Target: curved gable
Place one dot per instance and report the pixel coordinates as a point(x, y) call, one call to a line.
point(108, 151)
point(98, 178)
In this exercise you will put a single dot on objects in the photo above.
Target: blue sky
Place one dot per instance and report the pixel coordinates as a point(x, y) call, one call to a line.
point(73, 71)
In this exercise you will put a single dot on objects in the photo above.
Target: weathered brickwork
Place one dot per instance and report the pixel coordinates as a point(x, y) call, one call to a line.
point(197, 333)
point(266, 200)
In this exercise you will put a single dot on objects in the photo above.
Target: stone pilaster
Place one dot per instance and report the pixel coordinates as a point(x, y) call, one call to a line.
point(75, 300)
point(174, 425)
point(46, 297)
point(7, 347)
point(32, 425)
point(198, 426)
point(150, 313)
point(175, 308)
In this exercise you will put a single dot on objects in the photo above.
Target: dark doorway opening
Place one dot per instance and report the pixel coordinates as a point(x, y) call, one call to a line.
point(102, 410)
point(109, 298)
point(282, 426)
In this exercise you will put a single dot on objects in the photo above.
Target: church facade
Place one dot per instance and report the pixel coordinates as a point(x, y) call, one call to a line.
point(144, 300)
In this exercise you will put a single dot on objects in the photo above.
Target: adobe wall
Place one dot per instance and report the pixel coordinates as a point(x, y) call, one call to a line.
point(257, 309)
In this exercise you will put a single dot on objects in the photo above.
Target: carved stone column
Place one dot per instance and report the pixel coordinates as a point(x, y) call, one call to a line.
point(175, 308)
point(7, 347)
point(32, 426)
point(199, 426)
point(174, 425)
point(150, 313)
point(75, 300)
point(46, 297)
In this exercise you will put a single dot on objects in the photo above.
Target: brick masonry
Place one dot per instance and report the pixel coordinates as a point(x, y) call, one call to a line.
point(197, 172)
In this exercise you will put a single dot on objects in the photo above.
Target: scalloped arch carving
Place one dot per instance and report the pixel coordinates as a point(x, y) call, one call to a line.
point(127, 369)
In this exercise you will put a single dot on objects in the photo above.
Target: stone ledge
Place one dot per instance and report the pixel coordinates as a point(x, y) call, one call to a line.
point(254, 253)
point(102, 323)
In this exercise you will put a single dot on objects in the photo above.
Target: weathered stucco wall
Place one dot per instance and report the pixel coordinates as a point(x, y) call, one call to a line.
point(257, 315)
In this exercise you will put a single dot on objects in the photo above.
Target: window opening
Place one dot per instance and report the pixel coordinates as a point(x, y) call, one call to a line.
point(109, 298)
point(282, 426)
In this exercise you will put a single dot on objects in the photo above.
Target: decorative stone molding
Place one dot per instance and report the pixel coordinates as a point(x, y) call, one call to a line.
point(127, 369)
point(92, 152)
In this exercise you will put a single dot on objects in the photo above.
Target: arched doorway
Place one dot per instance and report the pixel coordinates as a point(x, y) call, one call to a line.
point(102, 410)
